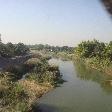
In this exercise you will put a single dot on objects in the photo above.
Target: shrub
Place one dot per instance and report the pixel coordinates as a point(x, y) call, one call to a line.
point(12, 95)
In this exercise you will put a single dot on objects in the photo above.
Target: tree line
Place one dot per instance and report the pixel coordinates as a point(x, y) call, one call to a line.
point(100, 51)
point(10, 50)
point(51, 48)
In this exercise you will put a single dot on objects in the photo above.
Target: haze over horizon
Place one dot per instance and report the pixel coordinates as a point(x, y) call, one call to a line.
point(54, 22)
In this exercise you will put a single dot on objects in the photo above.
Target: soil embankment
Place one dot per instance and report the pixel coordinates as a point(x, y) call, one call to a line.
point(4, 62)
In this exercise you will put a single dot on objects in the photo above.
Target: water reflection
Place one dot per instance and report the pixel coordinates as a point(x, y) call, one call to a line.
point(81, 92)
point(85, 73)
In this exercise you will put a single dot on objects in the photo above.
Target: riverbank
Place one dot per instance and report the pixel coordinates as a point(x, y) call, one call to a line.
point(95, 54)
point(85, 89)
point(20, 95)
point(100, 65)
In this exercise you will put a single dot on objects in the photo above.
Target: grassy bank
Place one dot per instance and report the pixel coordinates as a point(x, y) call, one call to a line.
point(20, 95)
point(101, 65)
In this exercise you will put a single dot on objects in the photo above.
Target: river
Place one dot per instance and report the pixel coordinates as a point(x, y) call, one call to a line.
point(85, 90)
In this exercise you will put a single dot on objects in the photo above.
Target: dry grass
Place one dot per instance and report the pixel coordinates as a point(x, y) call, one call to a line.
point(20, 95)
point(108, 70)
point(34, 90)
point(33, 61)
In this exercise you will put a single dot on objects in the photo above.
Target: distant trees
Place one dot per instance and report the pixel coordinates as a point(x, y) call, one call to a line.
point(51, 48)
point(10, 50)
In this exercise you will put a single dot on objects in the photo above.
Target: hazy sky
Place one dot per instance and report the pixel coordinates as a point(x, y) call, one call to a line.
point(56, 22)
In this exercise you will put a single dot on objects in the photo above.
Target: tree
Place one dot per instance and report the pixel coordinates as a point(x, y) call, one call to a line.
point(88, 49)
point(3, 50)
point(21, 49)
point(11, 49)
point(108, 51)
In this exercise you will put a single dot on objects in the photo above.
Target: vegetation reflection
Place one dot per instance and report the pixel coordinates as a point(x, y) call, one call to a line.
point(86, 73)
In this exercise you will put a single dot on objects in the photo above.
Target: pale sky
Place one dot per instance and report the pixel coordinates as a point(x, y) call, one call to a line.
point(55, 22)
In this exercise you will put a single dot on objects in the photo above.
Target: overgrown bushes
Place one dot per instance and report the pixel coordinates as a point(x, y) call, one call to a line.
point(43, 72)
point(12, 95)
point(96, 54)
point(10, 50)
point(19, 95)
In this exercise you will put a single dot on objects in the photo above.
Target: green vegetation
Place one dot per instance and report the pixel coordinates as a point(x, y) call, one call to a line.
point(96, 54)
point(42, 72)
point(22, 84)
point(64, 52)
point(12, 95)
point(11, 50)
point(20, 95)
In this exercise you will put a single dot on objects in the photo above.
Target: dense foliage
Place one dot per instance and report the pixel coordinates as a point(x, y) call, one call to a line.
point(42, 72)
point(10, 50)
point(95, 53)
point(89, 49)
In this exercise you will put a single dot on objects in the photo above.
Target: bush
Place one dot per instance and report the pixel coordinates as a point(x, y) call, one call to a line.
point(12, 95)
point(18, 71)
